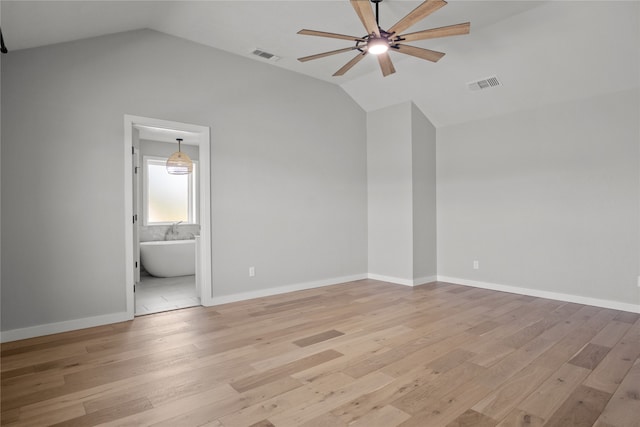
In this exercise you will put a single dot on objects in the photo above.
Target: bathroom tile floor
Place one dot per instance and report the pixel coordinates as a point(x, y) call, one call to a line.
point(156, 294)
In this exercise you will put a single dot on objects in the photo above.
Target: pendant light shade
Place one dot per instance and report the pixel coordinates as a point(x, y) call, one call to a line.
point(179, 163)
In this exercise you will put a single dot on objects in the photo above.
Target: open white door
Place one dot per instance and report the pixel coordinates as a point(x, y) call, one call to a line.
point(132, 204)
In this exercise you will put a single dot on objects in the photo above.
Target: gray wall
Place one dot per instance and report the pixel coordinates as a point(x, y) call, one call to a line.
point(389, 174)
point(546, 199)
point(401, 173)
point(288, 170)
point(424, 195)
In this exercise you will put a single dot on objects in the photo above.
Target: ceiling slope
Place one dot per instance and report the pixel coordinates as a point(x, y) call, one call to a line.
point(542, 51)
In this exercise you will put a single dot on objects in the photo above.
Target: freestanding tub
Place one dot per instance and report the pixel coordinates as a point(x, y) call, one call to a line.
point(169, 258)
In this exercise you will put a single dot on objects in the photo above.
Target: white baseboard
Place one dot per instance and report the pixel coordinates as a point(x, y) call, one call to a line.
point(424, 280)
point(88, 322)
point(242, 296)
point(597, 302)
point(405, 282)
point(66, 326)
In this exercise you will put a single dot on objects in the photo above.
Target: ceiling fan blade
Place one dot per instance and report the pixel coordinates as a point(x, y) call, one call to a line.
point(385, 64)
point(450, 30)
point(418, 52)
point(346, 67)
point(365, 13)
point(330, 35)
point(417, 14)
point(322, 55)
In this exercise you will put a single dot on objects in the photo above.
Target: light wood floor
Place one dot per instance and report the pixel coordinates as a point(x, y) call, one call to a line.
point(365, 353)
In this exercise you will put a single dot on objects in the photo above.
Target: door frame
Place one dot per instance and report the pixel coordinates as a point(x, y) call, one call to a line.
point(204, 146)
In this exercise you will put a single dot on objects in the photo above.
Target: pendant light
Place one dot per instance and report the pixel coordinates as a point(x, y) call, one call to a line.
point(179, 163)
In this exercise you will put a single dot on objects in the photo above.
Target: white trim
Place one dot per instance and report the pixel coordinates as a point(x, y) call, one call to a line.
point(204, 188)
point(404, 282)
point(68, 325)
point(396, 280)
point(242, 296)
point(615, 305)
point(129, 271)
point(88, 322)
point(424, 280)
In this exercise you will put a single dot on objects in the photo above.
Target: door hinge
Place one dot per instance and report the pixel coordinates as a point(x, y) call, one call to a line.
point(135, 170)
point(135, 218)
point(133, 150)
point(134, 289)
point(136, 267)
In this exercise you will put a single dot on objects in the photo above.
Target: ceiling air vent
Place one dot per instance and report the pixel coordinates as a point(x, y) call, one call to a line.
point(487, 83)
point(265, 55)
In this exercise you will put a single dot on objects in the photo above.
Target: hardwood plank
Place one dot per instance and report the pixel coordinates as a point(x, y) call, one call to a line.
point(108, 414)
point(301, 414)
point(252, 381)
point(371, 401)
point(611, 334)
point(590, 356)
point(9, 416)
point(488, 351)
point(547, 398)
point(471, 418)
point(526, 334)
point(325, 420)
point(314, 339)
point(506, 397)
point(420, 397)
point(520, 418)
point(387, 416)
point(451, 405)
point(263, 423)
point(426, 355)
point(210, 413)
point(627, 317)
point(348, 344)
point(612, 370)
point(581, 409)
point(623, 410)
point(483, 327)
point(53, 416)
point(414, 346)
point(213, 399)
point(313, 392)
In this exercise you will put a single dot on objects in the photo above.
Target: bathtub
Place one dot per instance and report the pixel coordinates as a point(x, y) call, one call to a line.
point(169, 258)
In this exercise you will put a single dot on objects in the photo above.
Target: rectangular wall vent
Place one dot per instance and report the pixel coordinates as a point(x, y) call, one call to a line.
point(484, 83)
point(265, 55)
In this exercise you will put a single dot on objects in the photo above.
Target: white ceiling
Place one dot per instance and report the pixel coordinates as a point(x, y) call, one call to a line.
point(542, 51)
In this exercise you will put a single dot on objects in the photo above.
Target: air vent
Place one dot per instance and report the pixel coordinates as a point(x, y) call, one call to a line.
point(487, 83)
point(265, 55)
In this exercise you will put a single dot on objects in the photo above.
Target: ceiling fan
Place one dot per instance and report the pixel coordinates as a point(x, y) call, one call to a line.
point(379, 42)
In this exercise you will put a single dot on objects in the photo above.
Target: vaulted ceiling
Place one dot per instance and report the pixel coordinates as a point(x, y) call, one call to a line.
point(542, 52)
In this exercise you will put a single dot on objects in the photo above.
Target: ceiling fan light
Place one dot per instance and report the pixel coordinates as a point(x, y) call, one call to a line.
point(179, 163)
point(377, 46)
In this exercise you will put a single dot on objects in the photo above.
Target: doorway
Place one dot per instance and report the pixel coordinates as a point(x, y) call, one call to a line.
point(144, 128)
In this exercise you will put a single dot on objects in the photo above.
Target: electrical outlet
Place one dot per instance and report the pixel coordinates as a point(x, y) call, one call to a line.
point(252, 271)
point(476, 264)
